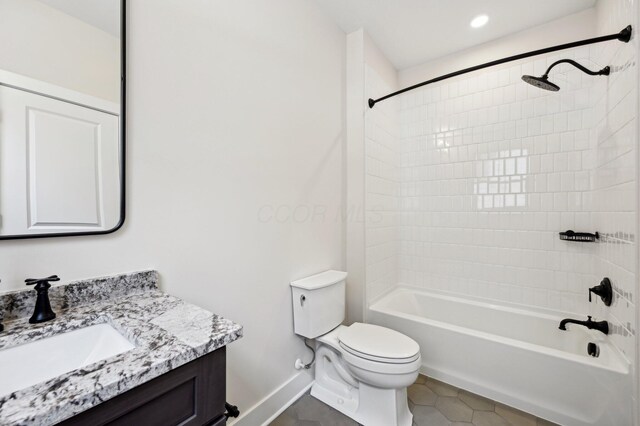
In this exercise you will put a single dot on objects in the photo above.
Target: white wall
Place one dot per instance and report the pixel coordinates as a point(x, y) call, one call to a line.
point(373, 156)
point(43, 43)
point(382, 174)
point(355, 258)
point(235, 112)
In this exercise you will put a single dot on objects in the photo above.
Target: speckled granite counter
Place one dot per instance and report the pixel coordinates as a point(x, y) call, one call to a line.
point(167, 332)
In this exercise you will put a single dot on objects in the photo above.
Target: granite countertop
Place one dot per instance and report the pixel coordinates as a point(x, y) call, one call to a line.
point(166, 331)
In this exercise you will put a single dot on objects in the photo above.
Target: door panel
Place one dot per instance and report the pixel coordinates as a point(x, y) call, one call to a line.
point(68, 177)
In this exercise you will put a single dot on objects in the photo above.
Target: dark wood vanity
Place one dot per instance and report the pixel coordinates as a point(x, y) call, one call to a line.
point(132, 365)
point(193, 394)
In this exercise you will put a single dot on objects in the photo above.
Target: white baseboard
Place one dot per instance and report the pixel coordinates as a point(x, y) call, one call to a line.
point(265, 411)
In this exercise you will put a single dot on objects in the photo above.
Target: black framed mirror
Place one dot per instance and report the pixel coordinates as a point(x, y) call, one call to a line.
point(62, 118)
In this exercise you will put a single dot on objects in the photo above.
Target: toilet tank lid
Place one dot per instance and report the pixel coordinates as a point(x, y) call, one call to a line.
point(321, 280)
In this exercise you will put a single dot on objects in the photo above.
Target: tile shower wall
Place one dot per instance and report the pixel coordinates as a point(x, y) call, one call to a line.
point(469, 181)
point(491, 170)
point(614, 185)
point(382, 160)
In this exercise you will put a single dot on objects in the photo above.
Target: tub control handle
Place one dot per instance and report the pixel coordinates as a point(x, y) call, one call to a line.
point(604, 290)
point(303, 298)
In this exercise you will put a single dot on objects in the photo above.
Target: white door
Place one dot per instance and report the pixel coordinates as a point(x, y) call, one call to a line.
point(58, 165)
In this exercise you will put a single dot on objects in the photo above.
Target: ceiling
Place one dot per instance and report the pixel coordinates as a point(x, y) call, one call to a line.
point(411, 32)
point(103, 14)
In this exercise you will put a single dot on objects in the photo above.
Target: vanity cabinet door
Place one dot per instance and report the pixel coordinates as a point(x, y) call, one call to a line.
point(193, 394)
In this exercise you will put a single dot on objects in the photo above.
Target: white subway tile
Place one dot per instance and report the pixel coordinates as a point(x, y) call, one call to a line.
point(469, 182)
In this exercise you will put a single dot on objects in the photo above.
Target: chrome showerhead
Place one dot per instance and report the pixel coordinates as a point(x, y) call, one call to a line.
point(541, 82)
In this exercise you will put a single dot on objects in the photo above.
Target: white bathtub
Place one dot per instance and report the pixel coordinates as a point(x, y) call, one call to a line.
point(514, 356)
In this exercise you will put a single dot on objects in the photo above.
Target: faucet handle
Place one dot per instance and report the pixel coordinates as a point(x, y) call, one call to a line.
point(38, 281)
point(604, 290)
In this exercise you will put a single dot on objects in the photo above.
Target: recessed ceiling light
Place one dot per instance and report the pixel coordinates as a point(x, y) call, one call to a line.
point(479, 21)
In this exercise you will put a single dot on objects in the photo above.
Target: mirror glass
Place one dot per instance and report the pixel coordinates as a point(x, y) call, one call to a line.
point(61, 138)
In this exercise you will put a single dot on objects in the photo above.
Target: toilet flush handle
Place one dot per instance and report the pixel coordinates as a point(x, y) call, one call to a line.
point(303, 298)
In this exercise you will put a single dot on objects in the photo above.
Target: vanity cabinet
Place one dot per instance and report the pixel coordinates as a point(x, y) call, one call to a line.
point(193, 394)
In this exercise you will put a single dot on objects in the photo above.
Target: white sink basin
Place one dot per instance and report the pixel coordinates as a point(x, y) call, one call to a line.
point(31, 363)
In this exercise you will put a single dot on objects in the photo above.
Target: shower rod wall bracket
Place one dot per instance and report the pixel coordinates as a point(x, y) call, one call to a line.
point(624, 36)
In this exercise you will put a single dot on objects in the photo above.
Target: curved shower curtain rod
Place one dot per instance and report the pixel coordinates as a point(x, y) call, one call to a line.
point(623, 36)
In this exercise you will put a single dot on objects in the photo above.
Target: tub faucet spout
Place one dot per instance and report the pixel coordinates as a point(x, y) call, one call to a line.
point(601, 326)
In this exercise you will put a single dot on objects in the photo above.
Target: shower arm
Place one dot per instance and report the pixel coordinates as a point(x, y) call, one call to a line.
point(603, 71)
point(623, 36)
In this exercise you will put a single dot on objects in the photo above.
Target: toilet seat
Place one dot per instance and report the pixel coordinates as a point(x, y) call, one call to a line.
point(374, 358)
point(378, 344)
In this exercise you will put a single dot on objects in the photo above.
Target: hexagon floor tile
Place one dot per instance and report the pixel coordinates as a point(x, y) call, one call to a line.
point(433, 403)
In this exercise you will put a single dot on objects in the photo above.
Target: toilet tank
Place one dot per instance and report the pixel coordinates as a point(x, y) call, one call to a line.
point(318, 303)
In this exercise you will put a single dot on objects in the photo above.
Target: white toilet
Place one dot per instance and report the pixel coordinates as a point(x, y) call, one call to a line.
point(362, 370)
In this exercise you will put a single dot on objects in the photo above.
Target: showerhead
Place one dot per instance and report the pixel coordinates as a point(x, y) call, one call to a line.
point(544, 83)
point(541, 82)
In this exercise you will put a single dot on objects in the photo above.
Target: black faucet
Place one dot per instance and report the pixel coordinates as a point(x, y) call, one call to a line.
point(42, 311)
point(601, 326)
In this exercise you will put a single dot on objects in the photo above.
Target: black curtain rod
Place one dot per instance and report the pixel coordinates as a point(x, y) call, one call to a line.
point(623, 36)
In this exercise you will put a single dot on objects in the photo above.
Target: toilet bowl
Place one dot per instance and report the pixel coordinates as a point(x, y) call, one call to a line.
point(379, 356)
point(366, 384)
point(361, 370)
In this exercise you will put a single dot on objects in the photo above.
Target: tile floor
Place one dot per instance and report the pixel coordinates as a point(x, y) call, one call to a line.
point(432, 403)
